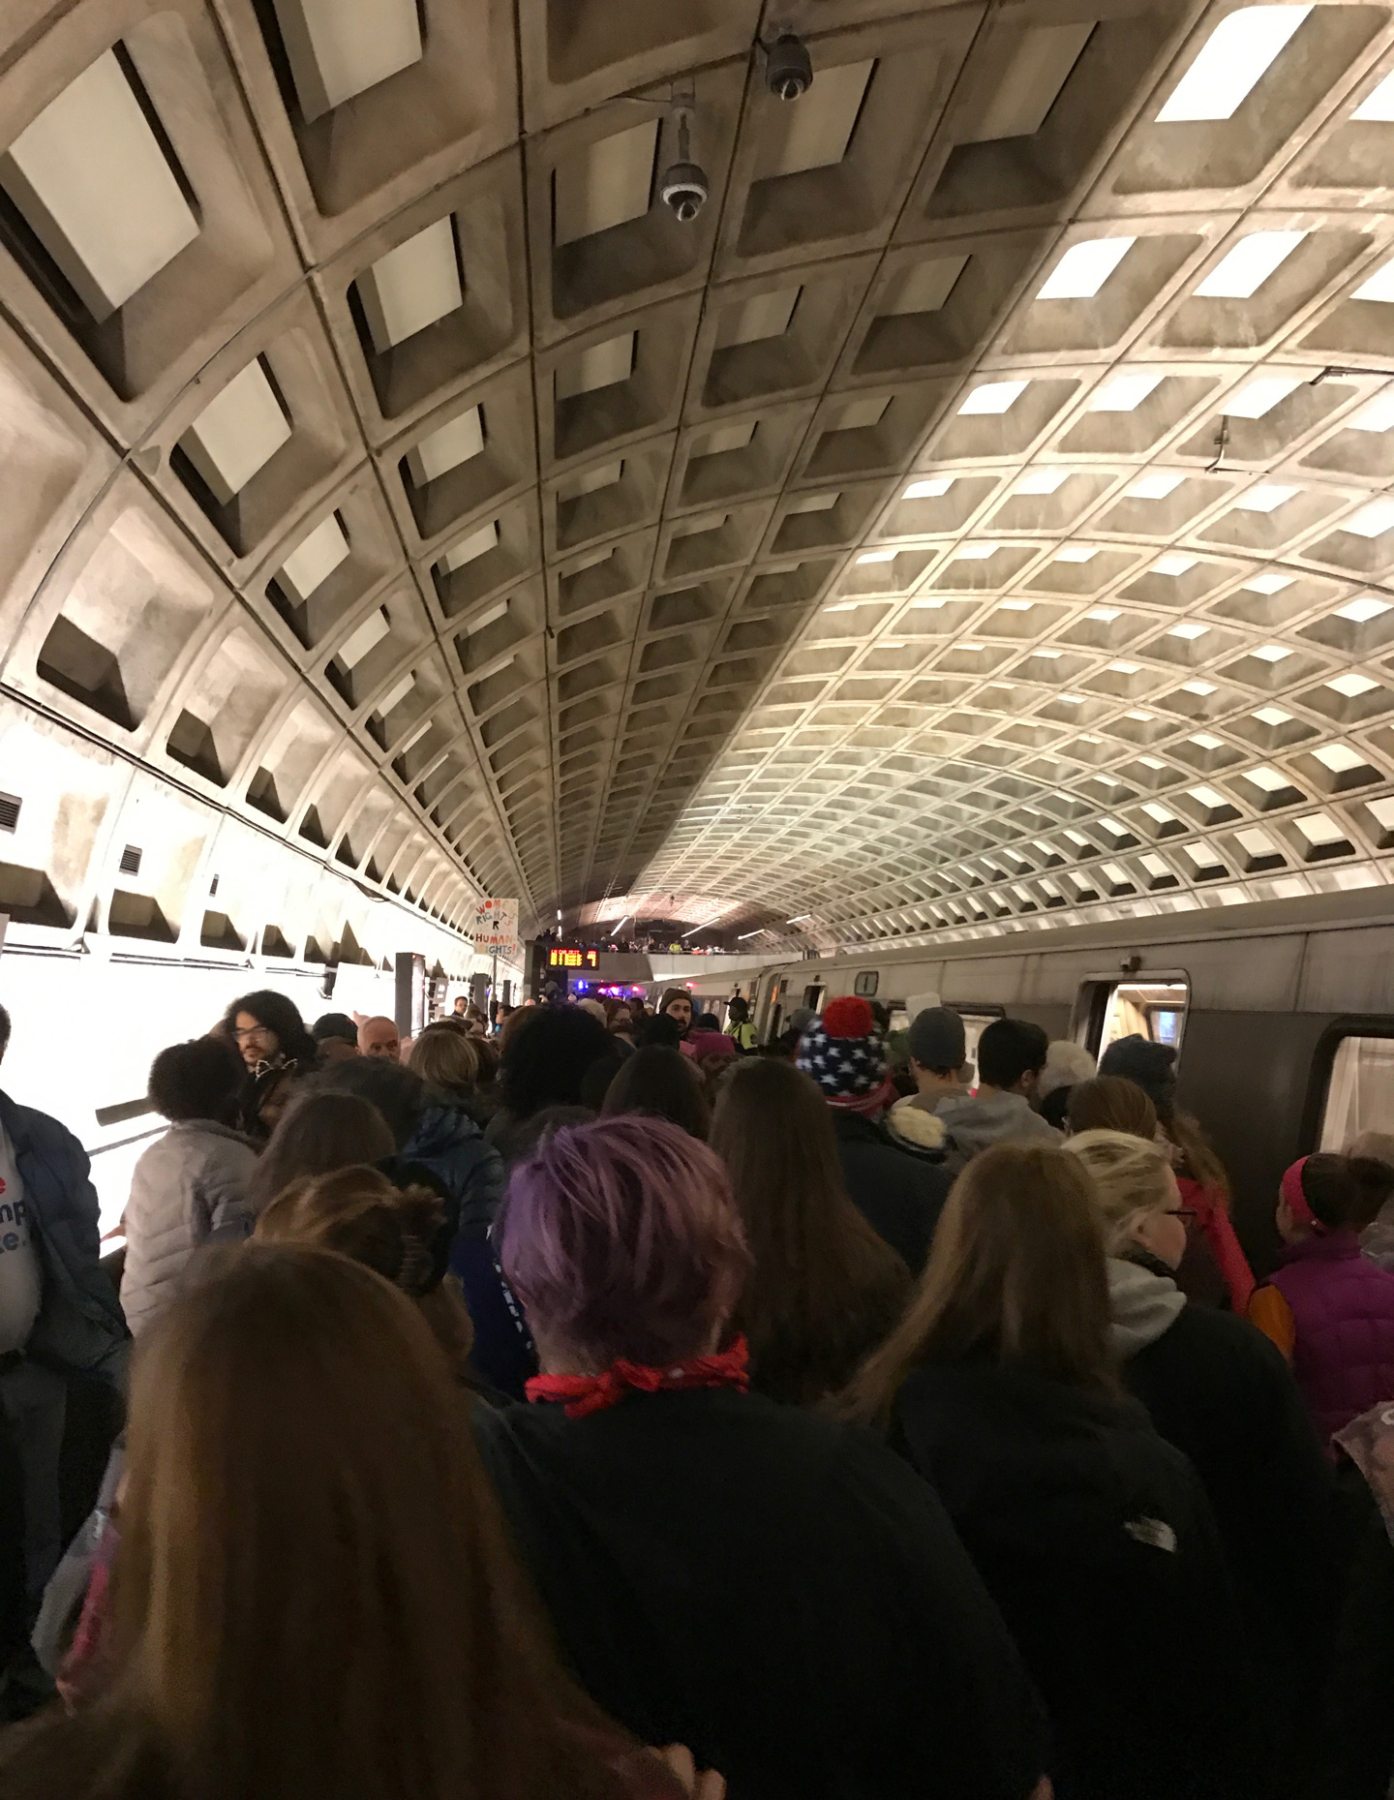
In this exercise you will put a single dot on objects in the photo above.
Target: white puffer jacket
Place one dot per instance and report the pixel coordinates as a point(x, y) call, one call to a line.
point(188, 1188)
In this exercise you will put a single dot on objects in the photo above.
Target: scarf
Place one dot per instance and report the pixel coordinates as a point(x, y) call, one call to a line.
point(586, 1394)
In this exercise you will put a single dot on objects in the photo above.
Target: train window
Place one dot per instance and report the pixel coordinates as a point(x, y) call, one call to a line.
point(813, 998)
point(976, 1020)
point(1360, 1091)
point(866, 983)
point(1149, 1006)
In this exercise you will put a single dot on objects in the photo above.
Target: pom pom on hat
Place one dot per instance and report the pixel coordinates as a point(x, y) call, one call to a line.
point(848, 1017)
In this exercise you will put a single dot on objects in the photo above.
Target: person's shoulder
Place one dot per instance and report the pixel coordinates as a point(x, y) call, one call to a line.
point(1223, 1360)
point(27, 1124)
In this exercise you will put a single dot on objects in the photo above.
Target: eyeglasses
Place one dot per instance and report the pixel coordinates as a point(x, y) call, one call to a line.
point(244, 1034)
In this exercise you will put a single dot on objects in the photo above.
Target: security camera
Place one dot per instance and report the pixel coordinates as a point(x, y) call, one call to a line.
point(684, 187)
point(684, 190)
point(788, 67)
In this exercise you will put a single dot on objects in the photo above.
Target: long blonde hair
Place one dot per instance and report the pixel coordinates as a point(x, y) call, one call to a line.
point(1132, 1177)
point(1016, 1276)
point(396, 1231)
point(314, 1592)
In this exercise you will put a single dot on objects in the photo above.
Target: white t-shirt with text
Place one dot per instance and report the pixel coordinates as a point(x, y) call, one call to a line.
point(21, 1277)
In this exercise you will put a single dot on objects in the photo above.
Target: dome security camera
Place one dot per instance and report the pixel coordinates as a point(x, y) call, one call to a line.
point(684, 187)
point(684, 190)
point(788, 67)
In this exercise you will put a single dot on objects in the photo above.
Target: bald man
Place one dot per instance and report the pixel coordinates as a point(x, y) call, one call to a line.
point(378, 1037)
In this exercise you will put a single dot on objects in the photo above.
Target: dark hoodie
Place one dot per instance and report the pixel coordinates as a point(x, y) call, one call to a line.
point(1218, 1390)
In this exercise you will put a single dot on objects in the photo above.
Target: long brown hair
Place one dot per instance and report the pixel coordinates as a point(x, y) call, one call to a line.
point(1111, 1103)
point(397, 1231)
point(824, 1288)
point(318, 1133)
point(314, 1592)
point(1017, 1276)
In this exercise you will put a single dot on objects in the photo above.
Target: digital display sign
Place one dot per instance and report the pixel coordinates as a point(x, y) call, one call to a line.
point(561, 957)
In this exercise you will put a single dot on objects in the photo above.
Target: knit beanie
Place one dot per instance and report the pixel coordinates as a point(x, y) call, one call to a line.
point(845, 1055)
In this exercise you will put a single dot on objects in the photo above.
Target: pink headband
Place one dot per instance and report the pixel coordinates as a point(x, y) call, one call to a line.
point(1293, 1192)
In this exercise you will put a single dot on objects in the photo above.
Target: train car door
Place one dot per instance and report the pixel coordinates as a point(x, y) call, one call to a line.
point(1141, 1003)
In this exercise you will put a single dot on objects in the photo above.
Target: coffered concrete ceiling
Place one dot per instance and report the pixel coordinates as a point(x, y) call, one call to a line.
point(980, 515)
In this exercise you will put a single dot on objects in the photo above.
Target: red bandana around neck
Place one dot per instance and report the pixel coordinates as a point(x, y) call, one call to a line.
point(586, 1394)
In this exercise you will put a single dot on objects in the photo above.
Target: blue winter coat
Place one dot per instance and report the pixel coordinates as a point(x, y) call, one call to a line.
point(80, 1325)
point(450, 1147)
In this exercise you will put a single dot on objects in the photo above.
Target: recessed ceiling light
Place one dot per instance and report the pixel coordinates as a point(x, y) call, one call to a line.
point(1273, 715)
point(1152, 762)
point(1267, 497)
point(929, 488)
point(994, 397)
point(1207, 796)
point(1084, 268)
point(925, 605)
point(1155, 485)
point(876, 556)
point(1206, 740)
point(1139, 717)
point(1269, 583)
point(1362, 609)
point(1271, 653)
point(1076, 553)
point(1379, 286)
point(842, 606)
point(1189, 630)
point(1154, 808)
point(973, 649)
point(1376, 414)
point(1232, 60)
point(1339, 758)
point(1018, 606)
point(975, 552)
point(1175, 562)
point(1202, 688)
point(1042, 481)
point(1048, 655)
point(890, 644)
point(1259, 396)
point(1249, 264)
point(1372, 520)
point(1267, 779)
point(1103, 615)
point(1351, 685)
point(1124, 668)
point(1070, 699)
point(1378, 105)
point(1320, 828)
point(1124, 393)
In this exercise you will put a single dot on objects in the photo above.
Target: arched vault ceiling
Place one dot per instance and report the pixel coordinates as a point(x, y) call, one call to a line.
point(981, 513)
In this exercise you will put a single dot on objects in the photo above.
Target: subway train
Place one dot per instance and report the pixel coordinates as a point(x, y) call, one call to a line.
point(1281, 1013)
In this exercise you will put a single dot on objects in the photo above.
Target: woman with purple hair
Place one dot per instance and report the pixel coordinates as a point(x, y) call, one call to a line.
point(769, 1587)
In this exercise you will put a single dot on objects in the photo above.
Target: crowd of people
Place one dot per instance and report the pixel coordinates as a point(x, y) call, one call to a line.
point(591, 1401)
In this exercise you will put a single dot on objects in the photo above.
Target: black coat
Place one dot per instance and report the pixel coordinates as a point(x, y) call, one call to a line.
point(772, 1589)
point(900, 1192)
point(1095, 1539)
point(1219, 1390)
